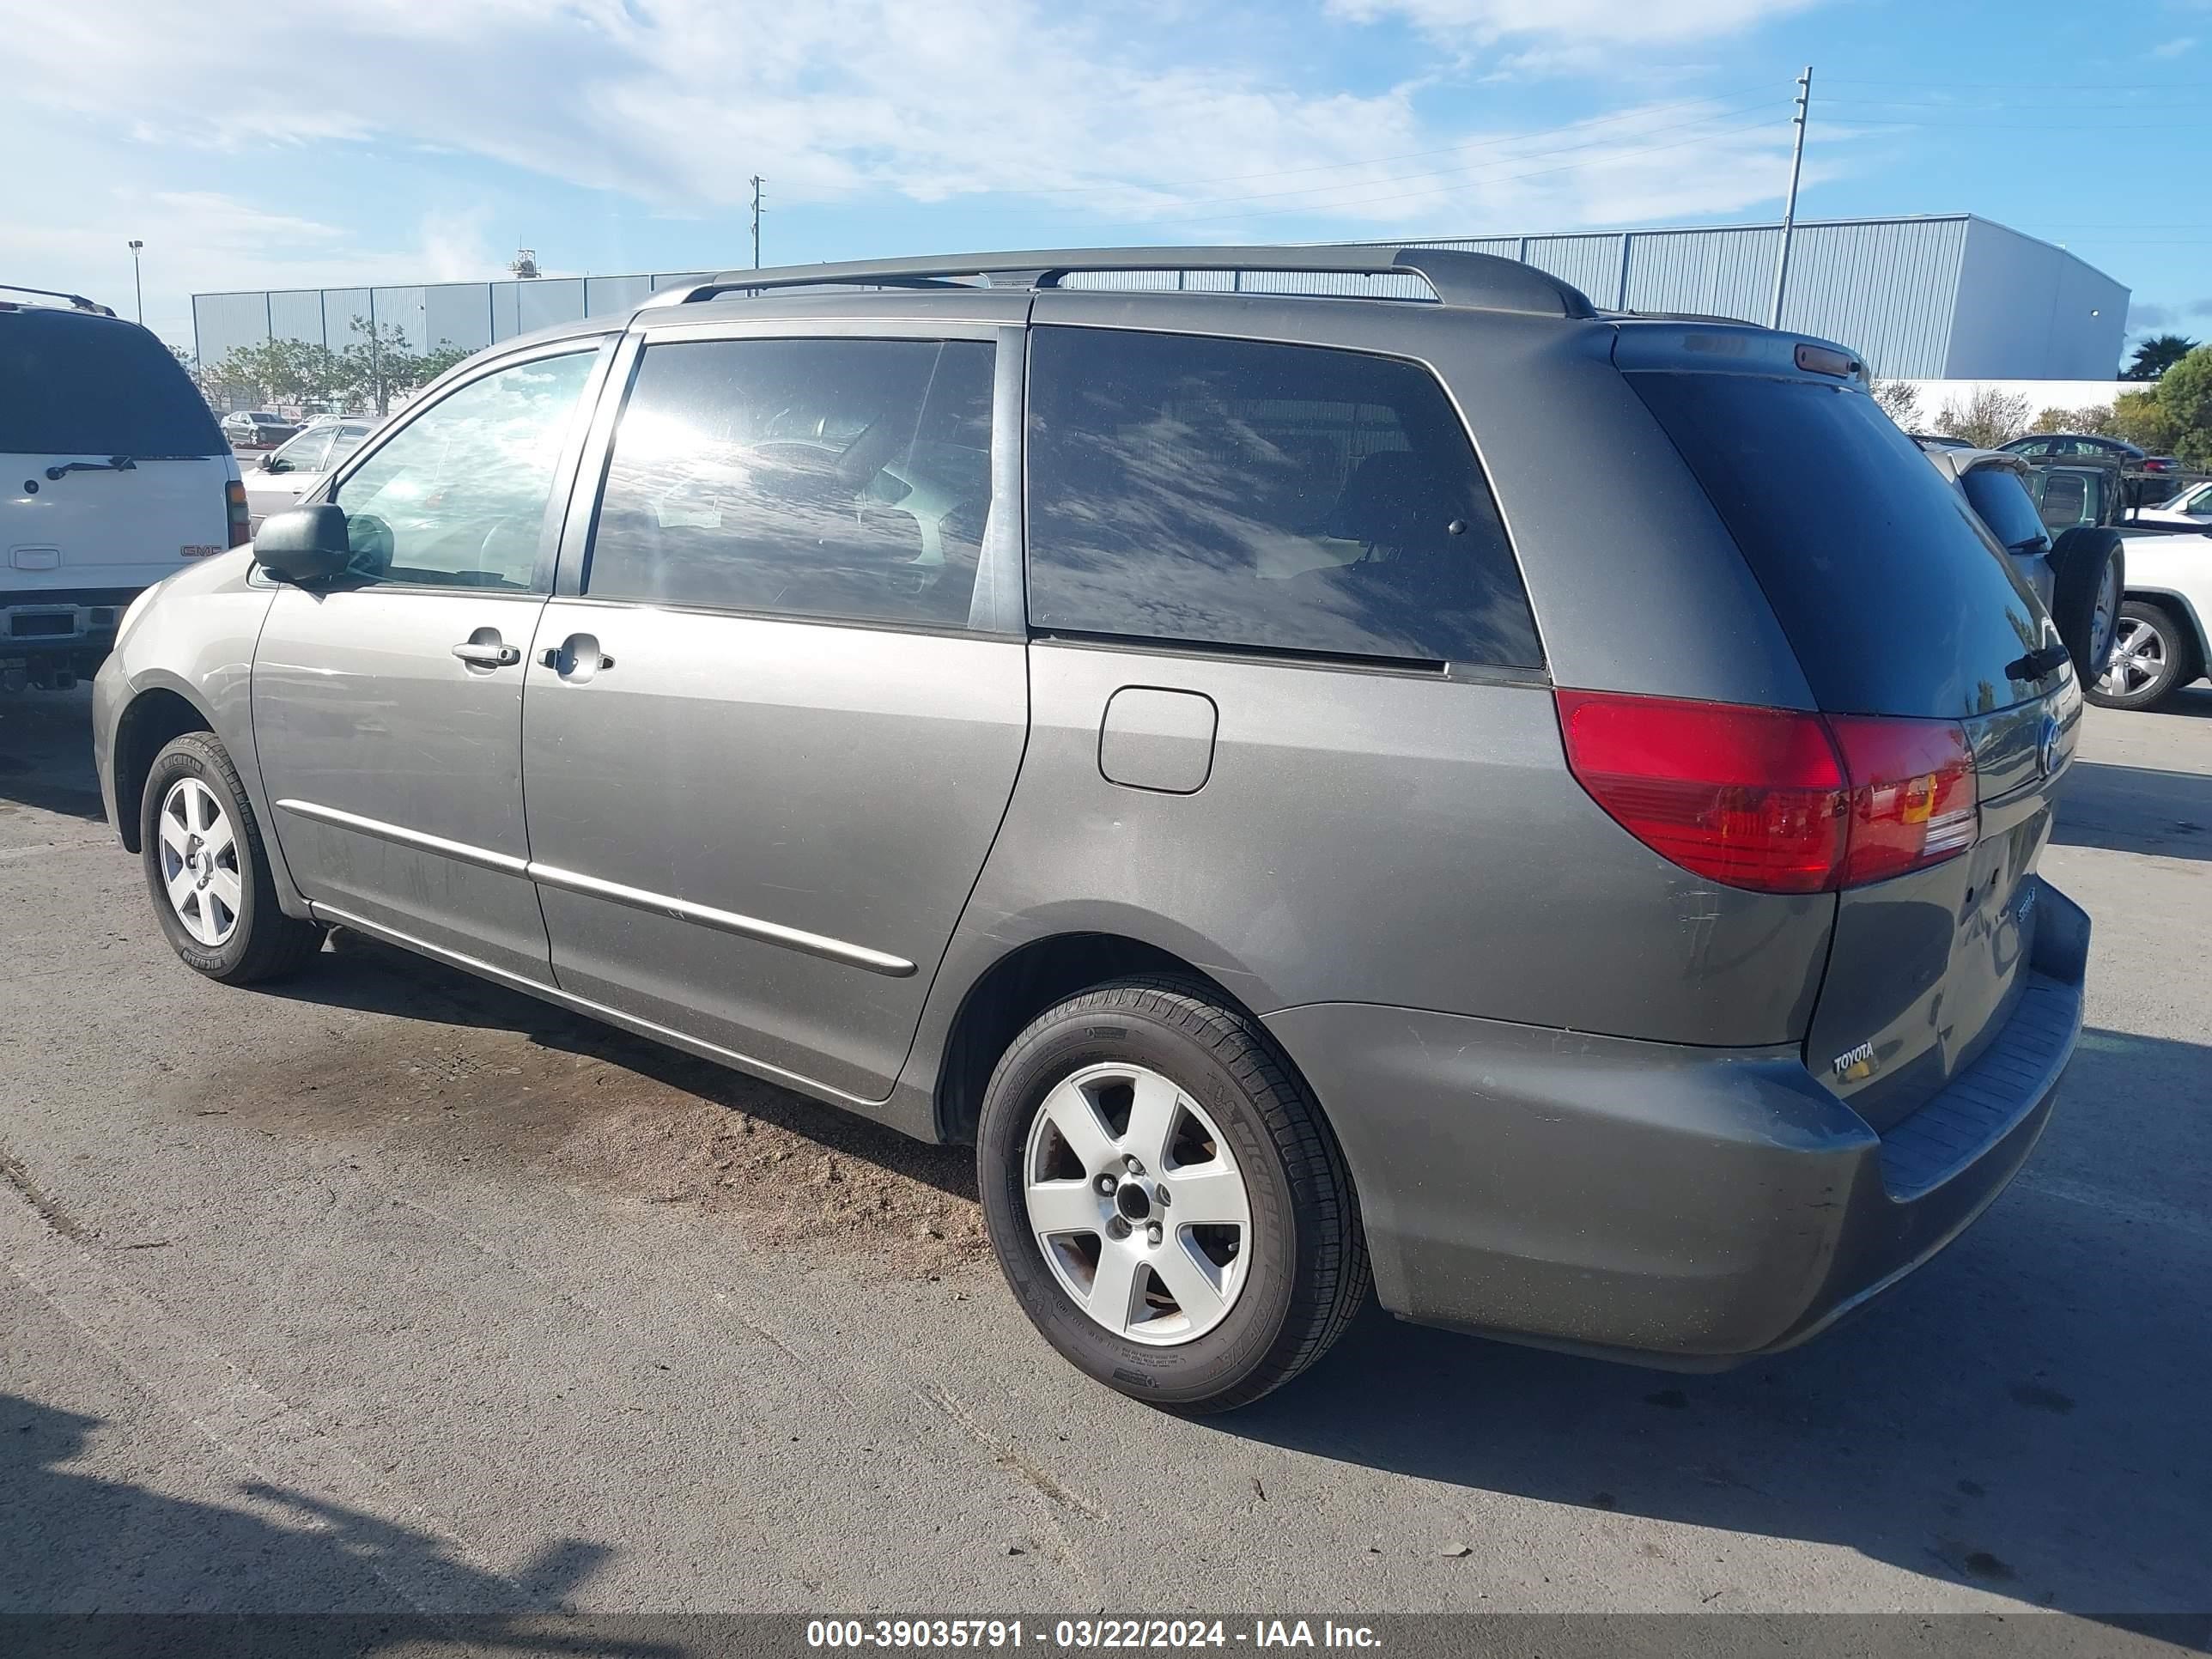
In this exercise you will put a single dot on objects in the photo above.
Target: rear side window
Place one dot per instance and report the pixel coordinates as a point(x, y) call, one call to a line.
point(72, 384)
point(2006, 507)
point(846, 479)
point(1894, 596)
point(1240, 492)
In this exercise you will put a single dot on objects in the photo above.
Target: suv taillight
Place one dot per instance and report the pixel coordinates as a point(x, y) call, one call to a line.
point(1778, 800)
point(233, 495)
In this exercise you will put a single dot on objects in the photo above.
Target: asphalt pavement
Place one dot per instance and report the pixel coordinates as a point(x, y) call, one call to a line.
point(387, 1289)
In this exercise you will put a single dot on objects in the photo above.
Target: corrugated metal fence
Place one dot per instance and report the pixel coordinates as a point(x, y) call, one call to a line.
point(1887, 287)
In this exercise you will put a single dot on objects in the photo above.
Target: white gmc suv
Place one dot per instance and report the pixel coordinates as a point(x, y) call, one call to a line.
point(113, 475)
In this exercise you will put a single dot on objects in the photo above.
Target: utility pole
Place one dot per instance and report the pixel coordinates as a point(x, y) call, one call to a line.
point(1789, 205)
point(757, 214)
point(137, 286)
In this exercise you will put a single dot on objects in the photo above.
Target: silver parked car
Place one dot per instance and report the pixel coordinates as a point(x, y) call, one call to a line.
point(284, 475)
point(1212, 751)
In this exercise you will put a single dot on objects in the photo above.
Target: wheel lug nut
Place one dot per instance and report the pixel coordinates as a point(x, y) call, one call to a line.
point(1118, 1227)
point(1153, 1234)
point(1160, 1196)
point(1106, 1183)
point(1133, 1165)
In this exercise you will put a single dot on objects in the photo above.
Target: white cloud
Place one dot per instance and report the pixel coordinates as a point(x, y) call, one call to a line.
point(2174, 48)
point(1096, 121)
point(1577, 22)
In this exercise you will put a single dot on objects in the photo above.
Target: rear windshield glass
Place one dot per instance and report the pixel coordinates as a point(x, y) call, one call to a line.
point(72, 385)
point(1895, 599)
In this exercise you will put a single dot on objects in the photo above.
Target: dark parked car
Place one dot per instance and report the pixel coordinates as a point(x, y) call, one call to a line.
point(1117, 727)
point(2064, 446)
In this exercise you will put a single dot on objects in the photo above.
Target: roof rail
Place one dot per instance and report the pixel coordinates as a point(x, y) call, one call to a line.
point(1481, 282)
point(78, 301)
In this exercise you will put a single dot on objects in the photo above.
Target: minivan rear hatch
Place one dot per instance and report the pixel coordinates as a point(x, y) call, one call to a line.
point(1898, 603)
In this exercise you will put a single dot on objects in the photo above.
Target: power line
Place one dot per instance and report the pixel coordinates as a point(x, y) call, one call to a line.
point(1507, 179)
point(1409, 155)
point(1408, 177)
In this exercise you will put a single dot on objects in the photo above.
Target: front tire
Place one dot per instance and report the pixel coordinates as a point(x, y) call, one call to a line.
point(2150, 656)
point(207, 870)
point(1166, 1201)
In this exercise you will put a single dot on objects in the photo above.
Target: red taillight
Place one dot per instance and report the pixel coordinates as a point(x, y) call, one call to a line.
point(1913, 800)
point(241, 518)
point(1777, 801)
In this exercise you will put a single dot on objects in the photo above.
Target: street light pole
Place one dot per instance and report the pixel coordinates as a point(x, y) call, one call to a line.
point(136, 287)
point(1789, 206)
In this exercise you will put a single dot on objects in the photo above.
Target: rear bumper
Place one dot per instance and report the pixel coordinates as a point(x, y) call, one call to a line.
point(1687, 1207)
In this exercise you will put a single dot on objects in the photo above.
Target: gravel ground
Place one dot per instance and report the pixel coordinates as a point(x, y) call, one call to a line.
point(392, 1290)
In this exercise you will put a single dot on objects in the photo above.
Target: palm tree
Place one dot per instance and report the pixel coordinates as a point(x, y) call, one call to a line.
point(2154, 356)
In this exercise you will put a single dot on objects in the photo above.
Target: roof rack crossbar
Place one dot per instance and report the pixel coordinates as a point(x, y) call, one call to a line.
point(77, 300)
point(1481, 281)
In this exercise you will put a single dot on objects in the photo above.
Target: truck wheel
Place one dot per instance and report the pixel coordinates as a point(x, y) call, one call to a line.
point(1165, 1200)
point(208, 871)
point(2089, 570)
point(2150, 656)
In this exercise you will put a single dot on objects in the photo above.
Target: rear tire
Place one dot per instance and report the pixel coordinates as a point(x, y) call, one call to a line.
point(2151, 656)
point(2089, 573)
point(208, 871)
point(1193, 1317)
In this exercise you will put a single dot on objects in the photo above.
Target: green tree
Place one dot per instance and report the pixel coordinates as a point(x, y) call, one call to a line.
point(2155, 355)
point(2184, 396)
point(381, 363)
point(2097, 421)
point(2141, 418)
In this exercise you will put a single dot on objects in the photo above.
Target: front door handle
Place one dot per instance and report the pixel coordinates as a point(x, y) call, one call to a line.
point(488, 654)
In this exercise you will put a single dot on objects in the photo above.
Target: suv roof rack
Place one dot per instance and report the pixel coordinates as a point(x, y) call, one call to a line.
point(78, 301)
point(1481, 281)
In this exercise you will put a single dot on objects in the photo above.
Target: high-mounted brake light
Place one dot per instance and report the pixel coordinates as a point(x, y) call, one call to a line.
point(1776, 801)
point(241, 518)
point(1827, 360)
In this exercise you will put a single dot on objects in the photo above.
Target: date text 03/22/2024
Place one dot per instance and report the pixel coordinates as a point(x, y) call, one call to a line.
point(1085, 1634)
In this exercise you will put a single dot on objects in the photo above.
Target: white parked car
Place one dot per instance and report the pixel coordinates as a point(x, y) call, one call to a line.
point(2163, 641)
point(283, 476)
point(2192, 506)
point(116, 475)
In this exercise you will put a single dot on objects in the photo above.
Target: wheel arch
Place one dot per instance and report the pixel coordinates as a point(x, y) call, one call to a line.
point(2178, 605)
point(1021, 983)
point(157, 714)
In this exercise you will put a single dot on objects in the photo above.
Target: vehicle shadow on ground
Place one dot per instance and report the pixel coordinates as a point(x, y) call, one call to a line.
point(2136, 808)
point(1967, 1426)
point(73, 1543)
point(45, 753)
point(360, 973)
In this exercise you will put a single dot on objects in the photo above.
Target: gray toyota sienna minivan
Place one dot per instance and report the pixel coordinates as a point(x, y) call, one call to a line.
point(1432, 785)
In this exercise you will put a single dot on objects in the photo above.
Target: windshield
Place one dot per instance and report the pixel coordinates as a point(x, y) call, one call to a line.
point(72, 385)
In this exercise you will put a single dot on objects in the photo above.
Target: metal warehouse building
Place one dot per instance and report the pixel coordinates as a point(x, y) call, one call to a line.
point(1944, 297)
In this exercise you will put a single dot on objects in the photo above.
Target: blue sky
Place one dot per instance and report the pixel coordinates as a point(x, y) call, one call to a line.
point(353, 141)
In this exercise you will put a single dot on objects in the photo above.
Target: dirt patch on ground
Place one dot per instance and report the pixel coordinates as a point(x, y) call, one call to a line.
point(381, 1045)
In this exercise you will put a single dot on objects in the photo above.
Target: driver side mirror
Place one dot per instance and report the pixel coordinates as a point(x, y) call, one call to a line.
point(273, 463)
point(304, 544)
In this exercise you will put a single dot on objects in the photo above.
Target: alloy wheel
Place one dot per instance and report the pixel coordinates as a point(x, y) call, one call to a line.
point(2138, 658)
point(1137, 1203)
point(199, 862)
